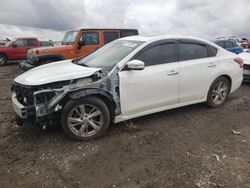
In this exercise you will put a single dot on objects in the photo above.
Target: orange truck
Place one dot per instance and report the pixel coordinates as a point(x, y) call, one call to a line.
point(76, 43)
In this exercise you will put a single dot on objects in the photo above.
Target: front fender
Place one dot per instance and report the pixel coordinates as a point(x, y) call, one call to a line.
point(92, 91)
point(104, 95)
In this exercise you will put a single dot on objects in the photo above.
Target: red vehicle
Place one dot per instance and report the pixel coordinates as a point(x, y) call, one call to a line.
point(16, 49)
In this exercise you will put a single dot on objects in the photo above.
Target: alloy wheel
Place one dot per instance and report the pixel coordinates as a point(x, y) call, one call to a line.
point(219, 92)
point(85, 120)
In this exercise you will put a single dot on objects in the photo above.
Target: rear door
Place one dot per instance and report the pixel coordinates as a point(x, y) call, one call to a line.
point(92, 42)
point(157, 86)
point(198, 67)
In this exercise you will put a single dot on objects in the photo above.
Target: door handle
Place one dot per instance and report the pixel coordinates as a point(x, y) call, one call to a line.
point(172, 72)
point(211, 64)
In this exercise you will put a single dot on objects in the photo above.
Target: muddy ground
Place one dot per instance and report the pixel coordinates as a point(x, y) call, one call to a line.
point(192, 146)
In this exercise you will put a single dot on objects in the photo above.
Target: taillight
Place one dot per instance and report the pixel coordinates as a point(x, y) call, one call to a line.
point(239, 61)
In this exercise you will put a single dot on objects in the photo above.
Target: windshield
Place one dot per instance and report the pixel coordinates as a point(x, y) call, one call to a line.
point(109, 55)
point(69, 37)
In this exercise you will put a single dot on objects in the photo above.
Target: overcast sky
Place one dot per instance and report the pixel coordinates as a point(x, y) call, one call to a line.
point(203, 18)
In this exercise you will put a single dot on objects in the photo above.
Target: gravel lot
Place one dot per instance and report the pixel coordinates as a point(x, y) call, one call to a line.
point(193, 146)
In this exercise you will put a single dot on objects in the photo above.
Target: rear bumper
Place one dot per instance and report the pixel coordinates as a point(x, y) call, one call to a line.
point(25, 65)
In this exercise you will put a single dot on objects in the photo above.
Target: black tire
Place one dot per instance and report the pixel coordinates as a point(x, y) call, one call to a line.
point(92, 101)
point(3, 60)
point(210, 101)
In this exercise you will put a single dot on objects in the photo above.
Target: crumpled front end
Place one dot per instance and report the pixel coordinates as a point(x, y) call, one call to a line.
point(44, 103)
point(35, 103)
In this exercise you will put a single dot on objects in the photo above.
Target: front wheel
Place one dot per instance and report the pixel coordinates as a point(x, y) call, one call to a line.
point(85, 119)
point(218, 92)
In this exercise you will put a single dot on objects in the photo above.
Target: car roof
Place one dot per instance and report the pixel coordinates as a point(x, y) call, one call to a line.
point(163, 37)
point(26, 38)
point(105, 29)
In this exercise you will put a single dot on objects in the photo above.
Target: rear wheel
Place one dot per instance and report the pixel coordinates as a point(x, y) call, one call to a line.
point(3, 60)
point(218, 92)
point(85, 118)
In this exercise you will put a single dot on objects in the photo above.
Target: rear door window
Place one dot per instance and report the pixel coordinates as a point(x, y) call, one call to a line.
point(158, 54)
point(110, 36)
point(32, 42)
point(188, 51)
point(212, 51)
point(90, 38)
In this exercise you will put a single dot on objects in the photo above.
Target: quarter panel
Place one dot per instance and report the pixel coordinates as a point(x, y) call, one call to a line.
point(231, 68)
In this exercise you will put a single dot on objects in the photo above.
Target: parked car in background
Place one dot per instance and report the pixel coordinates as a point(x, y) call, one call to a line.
point(229, 45)
point(245, 43)
point(16, 49)
point(4, 40)
point(76, 43)
point(236, 40)
point(125, 79)
point(46, 43)
point(246, 67)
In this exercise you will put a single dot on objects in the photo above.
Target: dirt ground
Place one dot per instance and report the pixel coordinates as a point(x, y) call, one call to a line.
point(193, 146)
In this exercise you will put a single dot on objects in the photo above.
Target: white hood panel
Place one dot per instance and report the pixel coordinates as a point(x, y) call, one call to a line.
point(54, 72)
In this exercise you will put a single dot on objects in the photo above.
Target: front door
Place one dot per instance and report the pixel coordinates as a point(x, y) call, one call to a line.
point(156, 86)
point(21, 48)
point(92, 42)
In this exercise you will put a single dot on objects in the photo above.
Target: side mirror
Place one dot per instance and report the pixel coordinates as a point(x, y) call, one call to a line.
point(14, 45)
point(81, 43)
point(136, 65)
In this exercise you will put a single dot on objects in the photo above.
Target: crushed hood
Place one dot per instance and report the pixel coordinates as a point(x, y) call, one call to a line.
point(54, 72)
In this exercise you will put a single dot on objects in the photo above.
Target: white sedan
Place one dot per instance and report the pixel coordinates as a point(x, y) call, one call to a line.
point(125, 79)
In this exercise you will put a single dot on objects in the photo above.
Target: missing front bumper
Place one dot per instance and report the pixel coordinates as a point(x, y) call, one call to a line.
point(22, 111)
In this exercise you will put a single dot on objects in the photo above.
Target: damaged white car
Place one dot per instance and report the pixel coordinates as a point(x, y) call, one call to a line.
point(125, 79)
